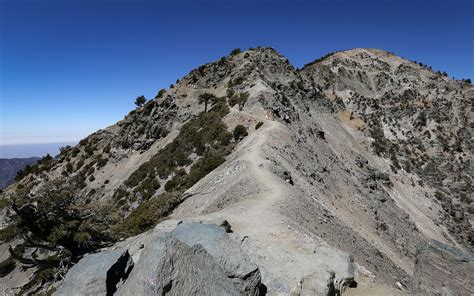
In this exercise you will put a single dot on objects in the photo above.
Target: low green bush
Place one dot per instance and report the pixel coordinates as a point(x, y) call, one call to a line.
point(236, 81)
point(203, 132)
point(8, 233)
point(235, 51)
point(239, 100)
point(160, 93)
point(7, 266)
point(147, 215)
point(3, 203)
point(239, 132)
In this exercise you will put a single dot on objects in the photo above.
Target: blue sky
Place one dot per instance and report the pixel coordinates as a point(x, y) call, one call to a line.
point(68, 68)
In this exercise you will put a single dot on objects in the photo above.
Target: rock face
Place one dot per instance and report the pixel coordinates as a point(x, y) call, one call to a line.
point(202, 258)
point(97, 274)
point(193, 259)
point(236, 264)
point(180, 270)
point(443, 270)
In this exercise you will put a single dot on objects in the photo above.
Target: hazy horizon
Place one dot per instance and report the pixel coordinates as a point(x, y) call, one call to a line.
point(31, 150)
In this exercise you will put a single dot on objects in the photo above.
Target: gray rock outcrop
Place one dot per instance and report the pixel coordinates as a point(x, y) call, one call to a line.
point(443, 270)
point(97, 274)
point(192, 259)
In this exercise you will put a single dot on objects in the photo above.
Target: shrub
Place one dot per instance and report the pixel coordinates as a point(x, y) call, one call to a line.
point(91, 178)
point(8, 233)
point(160, 93)
point(3, 202)
point(89, 149)
point(148, 187)
point(45, 163)
point(55, 219)
point(140, 101)
point(75, 151)
point(204, 135)
point(319, 59)
point(101, 162)
point(170, 185)
point(79, 164)
point(236, 81)
point(7, 266)
point(235, 51)
point(203, 167)
point(239, 100)
point(206, 98)
point(106, 149)
point(147, 215)
point(258, 125)
point(239, 132)
point(230, 92)
point(69, 168)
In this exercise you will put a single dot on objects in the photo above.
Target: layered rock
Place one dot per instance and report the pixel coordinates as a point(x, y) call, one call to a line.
point(441, 269)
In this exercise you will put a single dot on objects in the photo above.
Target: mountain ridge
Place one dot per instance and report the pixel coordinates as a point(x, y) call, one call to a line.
point(324, 169)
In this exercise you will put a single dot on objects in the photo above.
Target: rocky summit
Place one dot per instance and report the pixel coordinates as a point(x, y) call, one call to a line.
point(351, 175)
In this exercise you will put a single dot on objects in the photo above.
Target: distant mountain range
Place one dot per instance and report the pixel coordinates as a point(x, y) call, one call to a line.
point(9, 168)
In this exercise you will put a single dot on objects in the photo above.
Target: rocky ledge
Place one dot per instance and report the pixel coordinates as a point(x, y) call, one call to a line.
point(188, 258)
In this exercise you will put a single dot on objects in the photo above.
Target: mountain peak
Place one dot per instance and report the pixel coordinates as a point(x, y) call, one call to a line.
point(360, 152)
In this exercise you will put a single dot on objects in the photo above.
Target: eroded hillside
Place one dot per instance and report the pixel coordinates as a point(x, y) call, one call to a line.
point(359, 153)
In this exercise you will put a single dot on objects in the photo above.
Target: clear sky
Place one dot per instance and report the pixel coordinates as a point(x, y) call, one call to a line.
point(68, 68)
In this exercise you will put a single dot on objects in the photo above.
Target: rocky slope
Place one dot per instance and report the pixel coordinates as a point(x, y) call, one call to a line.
point(351, 162)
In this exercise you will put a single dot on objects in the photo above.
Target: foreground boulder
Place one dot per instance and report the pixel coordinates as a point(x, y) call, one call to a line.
point(443, 270)
point(193, 259)
point(97, 274)
point(179, 270)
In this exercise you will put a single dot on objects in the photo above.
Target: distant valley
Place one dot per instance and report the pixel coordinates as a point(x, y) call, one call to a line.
point(32, 150)
point(9, 168)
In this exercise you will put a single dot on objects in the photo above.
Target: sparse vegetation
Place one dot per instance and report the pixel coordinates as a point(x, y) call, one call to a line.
point(3, 202)
point(207, 137)
point(239, 132)
point(43, 164)
point(7, 266)
point(147, 215)
point(239, 99)
point(319, 59)
point(207, 98)
point(53, 221)
point(235, 51)
point(8, 233)
point(160, 93)
point(140, 101)
point(236, 81)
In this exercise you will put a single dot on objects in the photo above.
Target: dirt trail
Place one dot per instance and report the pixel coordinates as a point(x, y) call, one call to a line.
point(258, 216)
